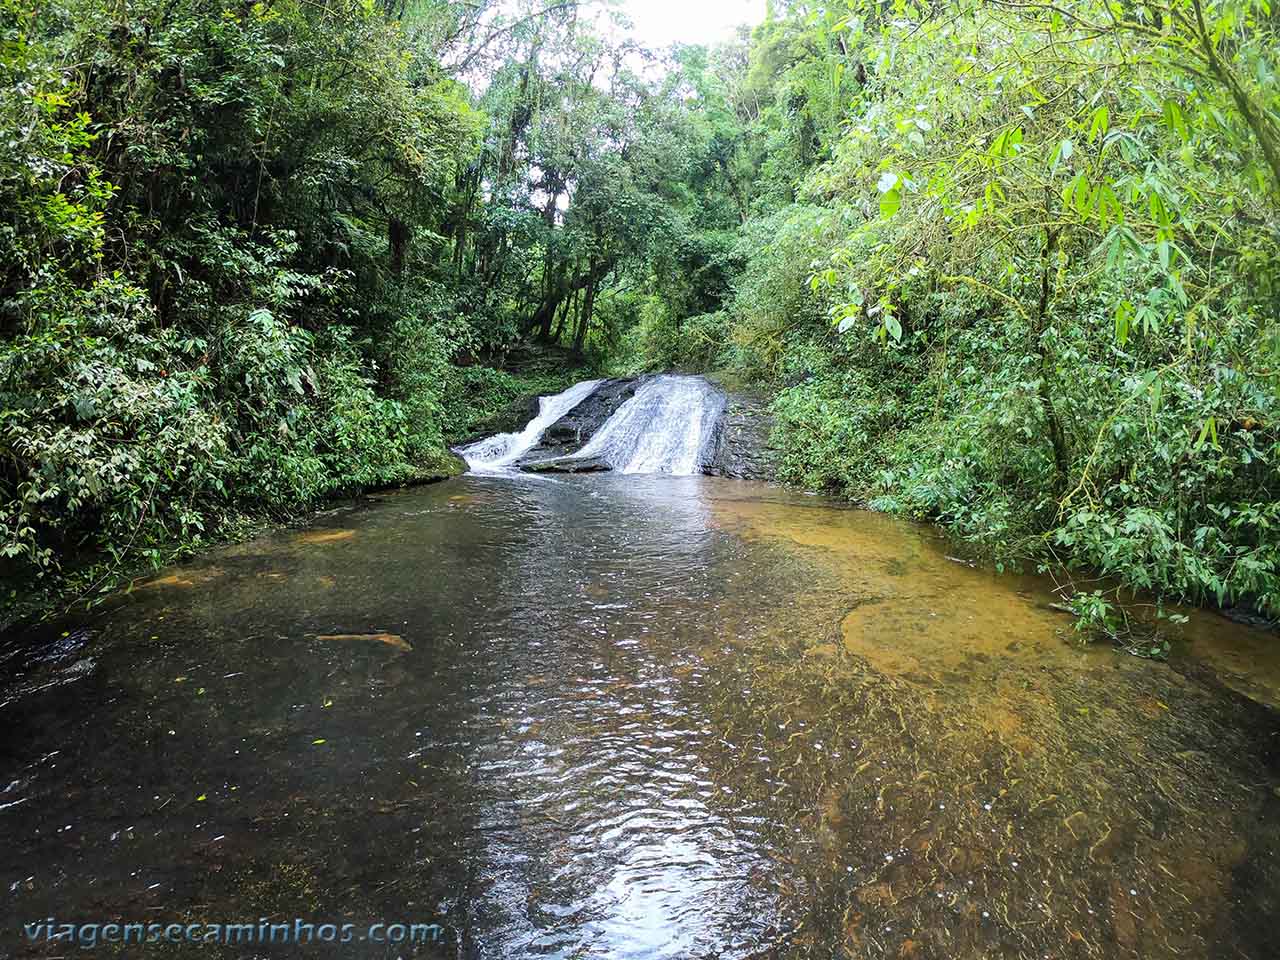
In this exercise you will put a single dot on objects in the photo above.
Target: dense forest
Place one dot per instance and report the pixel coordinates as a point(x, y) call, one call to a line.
point(1009, 266)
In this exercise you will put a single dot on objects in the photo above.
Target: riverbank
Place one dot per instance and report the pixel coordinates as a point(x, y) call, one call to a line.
point(845, 422)
point(89, 579)
point(85, 569)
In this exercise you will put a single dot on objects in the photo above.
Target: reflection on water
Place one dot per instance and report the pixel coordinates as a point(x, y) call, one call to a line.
point(636, 717)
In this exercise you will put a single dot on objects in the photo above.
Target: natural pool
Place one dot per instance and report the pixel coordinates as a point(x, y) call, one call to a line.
point(629, 716)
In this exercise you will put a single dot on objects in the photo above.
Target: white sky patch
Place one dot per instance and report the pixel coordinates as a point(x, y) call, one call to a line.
point(656, 25)
point(660, 23)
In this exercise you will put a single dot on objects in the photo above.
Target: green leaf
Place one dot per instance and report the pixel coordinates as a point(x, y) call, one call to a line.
point(1124, 316)
point(1006, 144)
point(1175, 121)
point(1100, 123)
point(1079, 194)
point(1208, 432)
point(889, 203)
point(1108, 206)
point(1061, 154)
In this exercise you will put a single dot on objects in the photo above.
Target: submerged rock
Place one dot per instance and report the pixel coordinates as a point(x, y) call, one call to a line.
point(1250, 616)
point(393, 640)
point(323, 536)
point(45, 676)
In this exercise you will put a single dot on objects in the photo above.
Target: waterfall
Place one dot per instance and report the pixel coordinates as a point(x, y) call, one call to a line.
point(664, 428)
point(498, 453)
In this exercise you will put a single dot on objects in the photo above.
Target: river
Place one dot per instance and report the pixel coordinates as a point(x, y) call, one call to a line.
point(617, 716)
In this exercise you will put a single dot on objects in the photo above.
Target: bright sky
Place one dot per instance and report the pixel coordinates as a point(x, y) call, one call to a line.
point(659, 23)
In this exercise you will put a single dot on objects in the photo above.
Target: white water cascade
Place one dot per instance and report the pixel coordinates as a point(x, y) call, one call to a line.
point(664, 428)
point(498, 453)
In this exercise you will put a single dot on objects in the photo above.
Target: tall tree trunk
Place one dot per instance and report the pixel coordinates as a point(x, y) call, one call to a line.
point(542, 317)
point(588, 305)
point(558, 287)
point(570, 307)
point(467, 186)
point(398, 238)
point(553, 291)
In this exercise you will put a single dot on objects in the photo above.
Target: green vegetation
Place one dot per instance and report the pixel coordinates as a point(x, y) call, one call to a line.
point(227, 275)
point(1015, 268)
point(1009, 266)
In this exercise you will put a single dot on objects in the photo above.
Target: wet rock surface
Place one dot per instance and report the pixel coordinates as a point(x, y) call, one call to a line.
point(571, 432)
point(510, 419)
point(567, 465)
point(44, 666)
point(1250, 616)
point(741, 449)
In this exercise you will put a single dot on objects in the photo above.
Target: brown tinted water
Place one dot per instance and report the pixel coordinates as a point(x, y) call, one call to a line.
point(614, 717)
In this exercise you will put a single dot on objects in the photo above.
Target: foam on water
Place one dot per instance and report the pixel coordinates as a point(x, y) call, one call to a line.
point(664, 428)
point(500, 452)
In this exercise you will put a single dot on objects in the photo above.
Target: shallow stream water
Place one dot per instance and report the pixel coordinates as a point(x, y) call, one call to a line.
point(631, 716)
